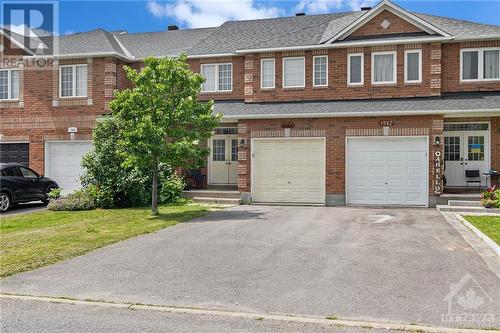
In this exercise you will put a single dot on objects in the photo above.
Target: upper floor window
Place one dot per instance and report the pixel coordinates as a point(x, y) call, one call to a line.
point(73, 80)
point(355, 69)
point(480, 64)
point(267, 74)
point(218, 77)
point(9, 84)
point(293, 72)
point(413, 66)
point(320, 71)
point(384, 67)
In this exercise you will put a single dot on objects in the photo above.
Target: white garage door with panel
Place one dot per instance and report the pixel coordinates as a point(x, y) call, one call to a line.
point(387, 171)
point(63, 162)
point(288, 170)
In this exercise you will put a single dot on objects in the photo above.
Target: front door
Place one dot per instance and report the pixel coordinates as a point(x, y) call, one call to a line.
point(466, 150)
point(223, 159)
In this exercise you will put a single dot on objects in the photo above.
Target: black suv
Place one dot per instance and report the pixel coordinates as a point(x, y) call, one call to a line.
point(21, 184)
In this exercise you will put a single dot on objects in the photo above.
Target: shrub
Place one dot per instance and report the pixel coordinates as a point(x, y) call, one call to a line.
point(54, 193)
point(491, 197)
point(171, 187)
point(78, 200)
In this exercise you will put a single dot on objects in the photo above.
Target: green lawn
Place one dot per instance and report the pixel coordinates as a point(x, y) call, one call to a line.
point(489, 225)
point(38, 239)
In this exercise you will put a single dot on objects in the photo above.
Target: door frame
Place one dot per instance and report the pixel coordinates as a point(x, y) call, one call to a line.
point(346, 179)
point(209, 164)
point(252, 160)
point(487, 154)
point(45, 150)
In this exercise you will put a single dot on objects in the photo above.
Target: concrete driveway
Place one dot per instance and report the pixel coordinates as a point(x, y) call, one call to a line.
point(391, 264)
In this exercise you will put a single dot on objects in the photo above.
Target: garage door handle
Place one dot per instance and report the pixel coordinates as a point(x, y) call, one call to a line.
point(289, 182)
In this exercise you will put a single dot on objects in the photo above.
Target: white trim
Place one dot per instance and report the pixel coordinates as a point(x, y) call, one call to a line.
point(389, 137)
point(217, 64)
point(201, 56)
point(396, 10)
point(124, 49)
point(394, 68)
point(450, 113)
point(252, 159)
point(9, 84)
point(480, 64)
point(355, 84)
point(314, 71)
point(274, 73)
point(283, 72)
point(419, 51)
point(73, 81)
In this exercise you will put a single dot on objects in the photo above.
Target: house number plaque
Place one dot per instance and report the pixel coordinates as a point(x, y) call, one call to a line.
point(386, 123)
point(438, 170)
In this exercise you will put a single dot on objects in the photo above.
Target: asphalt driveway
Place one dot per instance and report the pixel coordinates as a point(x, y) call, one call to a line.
point(394, 264)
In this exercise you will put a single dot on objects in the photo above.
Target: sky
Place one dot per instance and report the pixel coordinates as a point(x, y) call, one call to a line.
point(156, 15)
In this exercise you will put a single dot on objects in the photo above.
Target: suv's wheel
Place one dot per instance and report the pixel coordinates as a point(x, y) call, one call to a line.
point(4, 202)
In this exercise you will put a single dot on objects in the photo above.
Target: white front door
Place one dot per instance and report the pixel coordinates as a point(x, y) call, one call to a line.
point(288, 170)
point(465, 150)
point(63, 163)
point(387, 171)
point(223, 159)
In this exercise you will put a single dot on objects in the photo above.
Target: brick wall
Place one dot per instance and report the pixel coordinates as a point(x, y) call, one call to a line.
point(335, 130)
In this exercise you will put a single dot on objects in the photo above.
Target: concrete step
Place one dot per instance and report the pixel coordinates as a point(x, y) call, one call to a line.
point(222, 201)
point(462, 209)
point(464, 203)
point(212, 194)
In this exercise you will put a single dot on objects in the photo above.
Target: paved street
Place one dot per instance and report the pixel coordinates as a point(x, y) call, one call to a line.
point(372, 264)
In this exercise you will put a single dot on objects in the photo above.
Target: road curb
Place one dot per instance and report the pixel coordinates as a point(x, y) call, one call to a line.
point(480, 234)
point(251, 315)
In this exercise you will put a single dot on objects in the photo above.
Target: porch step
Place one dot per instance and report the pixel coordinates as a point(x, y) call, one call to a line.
point(212, 194)
point(444, 198)
point(463, 203)
point(222, 201)
point(222, 187)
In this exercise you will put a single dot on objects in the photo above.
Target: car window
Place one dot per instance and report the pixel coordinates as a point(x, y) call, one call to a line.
point(27, 173)
point(9, 172)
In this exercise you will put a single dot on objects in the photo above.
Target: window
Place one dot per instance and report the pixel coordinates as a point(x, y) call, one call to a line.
point(451, 148)
point(480, 64)
point(413, 66)
point(320, 73)
point(293, 72)
point(9, 84)
point(466, 127)
point(27, 173)
point(234, 149)
point(384, 67)
point(355, 74)
point(218, 150)
point(218, 77)
point(73, 80)
point(267, 74)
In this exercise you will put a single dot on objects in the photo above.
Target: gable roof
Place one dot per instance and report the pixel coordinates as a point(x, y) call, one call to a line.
point(393, 8)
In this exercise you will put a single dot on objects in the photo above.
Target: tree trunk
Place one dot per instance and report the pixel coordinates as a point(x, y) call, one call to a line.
point(154, 194)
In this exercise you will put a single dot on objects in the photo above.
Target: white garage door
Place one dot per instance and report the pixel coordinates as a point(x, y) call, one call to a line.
point(289, 170)
point(63, 163)
point(387, 171)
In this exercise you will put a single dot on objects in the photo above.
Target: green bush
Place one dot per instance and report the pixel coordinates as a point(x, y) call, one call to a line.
point(78, 200)
point(171, 187)
point(54, 193)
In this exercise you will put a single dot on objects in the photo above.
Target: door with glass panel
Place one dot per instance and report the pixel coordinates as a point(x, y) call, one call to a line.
point(223, 159)
point(466, 147)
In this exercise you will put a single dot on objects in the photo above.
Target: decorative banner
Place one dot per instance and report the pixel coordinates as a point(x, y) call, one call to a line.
point(438, 173)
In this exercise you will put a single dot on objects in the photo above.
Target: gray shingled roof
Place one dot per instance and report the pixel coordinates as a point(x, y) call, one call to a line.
point(459, 28)
point(476, 102)
point(163, 43)
point(95, 41)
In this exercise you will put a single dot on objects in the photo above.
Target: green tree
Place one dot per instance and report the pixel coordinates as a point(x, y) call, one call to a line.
point(161, 119)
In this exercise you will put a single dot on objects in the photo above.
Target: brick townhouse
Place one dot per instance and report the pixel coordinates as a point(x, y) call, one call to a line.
point(380, 106)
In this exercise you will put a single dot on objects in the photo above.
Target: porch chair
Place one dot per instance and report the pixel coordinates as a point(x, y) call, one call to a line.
point(195, 179)
point(472, 176)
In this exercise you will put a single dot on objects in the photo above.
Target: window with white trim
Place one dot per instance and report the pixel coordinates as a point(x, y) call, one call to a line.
point(267, 74)
point(355, 75)
point(293, 72)
point(320, 71)
point(9, 84)
point(413, 66)
point(218, 77)
point(480, 64)
point(384, 67)
point(73, 81)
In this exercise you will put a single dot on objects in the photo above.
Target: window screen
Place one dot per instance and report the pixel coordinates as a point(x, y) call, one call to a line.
point(470, 65)
point(413, 66)
point(355, 69)
point(267, 73)
point(293, 72)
